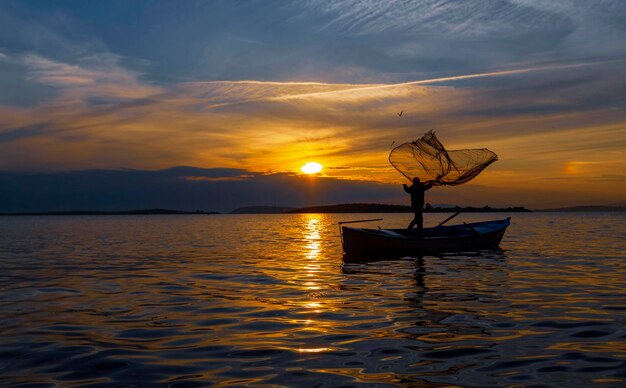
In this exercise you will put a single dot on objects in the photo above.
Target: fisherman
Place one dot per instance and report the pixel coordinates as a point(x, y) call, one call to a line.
point(417, 203)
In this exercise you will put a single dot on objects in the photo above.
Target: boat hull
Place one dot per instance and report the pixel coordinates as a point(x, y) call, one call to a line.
point(442, 239)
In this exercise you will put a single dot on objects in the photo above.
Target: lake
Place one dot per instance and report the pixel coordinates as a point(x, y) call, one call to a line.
point(205, 300)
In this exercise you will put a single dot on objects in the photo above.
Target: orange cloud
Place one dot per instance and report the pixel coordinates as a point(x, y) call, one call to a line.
point(217, 179)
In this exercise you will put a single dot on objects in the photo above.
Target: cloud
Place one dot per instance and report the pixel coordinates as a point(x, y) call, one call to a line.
point(276, 126)
point(340, 41)
point(58, 74)
point(470, 18)
point(22, 132)
point(215, 189)
point(270, 87)
point(98, 76)
point(394, 90)
point(226, 189)
point(195, 178)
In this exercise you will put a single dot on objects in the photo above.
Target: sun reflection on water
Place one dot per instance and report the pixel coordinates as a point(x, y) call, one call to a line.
point(314, 350)
point(312, 267)
point(317, 299)
point(312, 236)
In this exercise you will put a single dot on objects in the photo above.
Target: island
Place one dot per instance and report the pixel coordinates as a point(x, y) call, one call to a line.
point(110, 213)
point(262, 210)
point(586, 209)
point(383, 208)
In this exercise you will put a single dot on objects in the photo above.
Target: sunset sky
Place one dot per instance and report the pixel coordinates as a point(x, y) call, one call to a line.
point(101, 99)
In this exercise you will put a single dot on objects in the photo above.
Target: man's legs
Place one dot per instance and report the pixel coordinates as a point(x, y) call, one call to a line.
point(419, 222)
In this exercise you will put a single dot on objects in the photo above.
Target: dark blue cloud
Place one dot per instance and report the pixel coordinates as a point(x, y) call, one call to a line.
point(183, 188)
point(13, 134)
point(344, 41)
point(15, 88)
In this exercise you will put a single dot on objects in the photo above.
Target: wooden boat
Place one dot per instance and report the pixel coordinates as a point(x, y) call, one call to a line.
point(440, 239)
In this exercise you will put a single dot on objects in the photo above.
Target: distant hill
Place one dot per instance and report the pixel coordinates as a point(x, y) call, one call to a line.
point(109, 213)
point(586, 209)
point(262, 210)
point(382, 208)
point(354, 208)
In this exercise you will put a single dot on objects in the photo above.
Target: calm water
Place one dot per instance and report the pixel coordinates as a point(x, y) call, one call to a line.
point(248, 299)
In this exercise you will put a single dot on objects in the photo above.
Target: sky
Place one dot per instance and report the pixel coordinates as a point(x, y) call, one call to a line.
point(212, 105)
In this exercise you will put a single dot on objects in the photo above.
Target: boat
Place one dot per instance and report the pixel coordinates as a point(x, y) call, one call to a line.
point(464, 237)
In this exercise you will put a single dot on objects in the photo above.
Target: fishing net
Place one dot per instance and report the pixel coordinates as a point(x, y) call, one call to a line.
point(427, 159)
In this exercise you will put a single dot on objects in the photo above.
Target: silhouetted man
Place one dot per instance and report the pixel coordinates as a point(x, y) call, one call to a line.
point(417, 203)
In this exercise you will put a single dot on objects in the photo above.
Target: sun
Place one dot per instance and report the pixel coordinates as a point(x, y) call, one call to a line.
point(311, 168)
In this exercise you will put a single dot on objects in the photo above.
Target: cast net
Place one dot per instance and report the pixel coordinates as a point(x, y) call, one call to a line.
point(427, 159)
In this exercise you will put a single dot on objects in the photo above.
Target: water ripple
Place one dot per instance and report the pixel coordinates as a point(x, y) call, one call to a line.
point(191, 301)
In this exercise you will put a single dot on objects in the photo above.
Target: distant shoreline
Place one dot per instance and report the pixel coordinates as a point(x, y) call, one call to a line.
point(381, 208)
point(328, 209)
point(142, 212)
point(586, 209)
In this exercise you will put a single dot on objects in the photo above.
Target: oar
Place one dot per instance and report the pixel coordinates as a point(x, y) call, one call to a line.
point(449, 218)
point(352, 222)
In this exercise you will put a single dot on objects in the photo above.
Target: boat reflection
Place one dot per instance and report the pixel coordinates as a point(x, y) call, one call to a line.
point(370, 258)
point(449, 295)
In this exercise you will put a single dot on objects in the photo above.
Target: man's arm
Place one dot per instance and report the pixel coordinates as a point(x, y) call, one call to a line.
point(428, 186)
point(406, 188)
